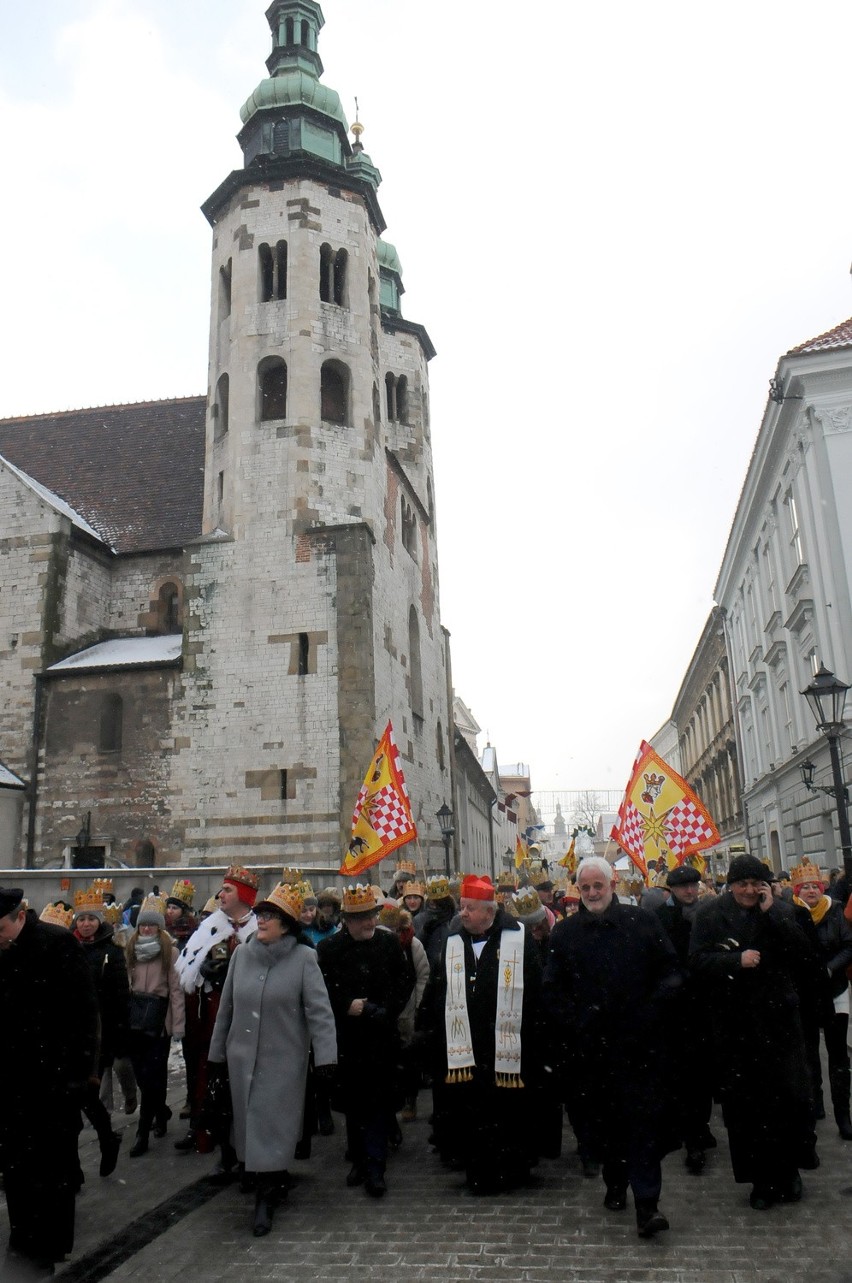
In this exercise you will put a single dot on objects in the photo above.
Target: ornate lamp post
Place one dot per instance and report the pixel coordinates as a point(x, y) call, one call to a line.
point(826, 696)
point(445, 819)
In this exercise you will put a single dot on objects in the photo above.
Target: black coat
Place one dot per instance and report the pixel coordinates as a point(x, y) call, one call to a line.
point(834, 936)
point(112, 986)
point(367, 1045)
point(754, 1012)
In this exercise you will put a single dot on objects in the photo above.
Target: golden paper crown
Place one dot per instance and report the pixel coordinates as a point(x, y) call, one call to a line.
point(112, 913)
point(414, 888)
point(572, 893)
point(89, 900)
point(287, 898)
point(538, 873)
point(807, 872)
point(57, 915)
point(246, 878)
point(154, 904)
point(507, 880)
point(437, 888)
point(291, 877)
point(525, 902)
point(406, 866)
point(184, 891)
point(104, 885)
point(359, 899)
point(305, 890)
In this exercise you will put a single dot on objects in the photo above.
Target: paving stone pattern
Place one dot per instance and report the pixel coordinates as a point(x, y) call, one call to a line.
point(429, 1227)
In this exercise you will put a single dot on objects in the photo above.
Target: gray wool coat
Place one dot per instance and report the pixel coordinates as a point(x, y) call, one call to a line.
point(274, 1007)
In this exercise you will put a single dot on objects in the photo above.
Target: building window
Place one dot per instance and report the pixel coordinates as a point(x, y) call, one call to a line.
point(282, 785)
point(304, 655)
point(795, 532)
point(221, 407)
point(225, 290)
point(272, 385)
point(415, 669)
point(408, 523)
point(110, 729)
point(333, 274)
point(169, 611)
point(272, 272)
point(334, 392)
point(289, 32)
point(439, 745)
point(377, 405)
point(220, 492)
point(397, 398)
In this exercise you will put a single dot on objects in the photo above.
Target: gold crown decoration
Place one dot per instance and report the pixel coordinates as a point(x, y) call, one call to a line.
point(153, 904)
point(414, 888)
point(211, 905)
point(437, 888)
point(359, 899)
point(507, 880)
point(112, 913)
point(305, 890)
point(245, 877)
point(106, 886)
point(572, 893)
point(56, 915)
point(183, 890)
point(290, 877)
point(806, 872)
point(89, 900)
point(287, 898)
point(538, 873)
point(406, 866)
point(525, 902)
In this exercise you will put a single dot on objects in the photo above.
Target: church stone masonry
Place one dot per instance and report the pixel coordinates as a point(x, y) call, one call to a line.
point(309, 594)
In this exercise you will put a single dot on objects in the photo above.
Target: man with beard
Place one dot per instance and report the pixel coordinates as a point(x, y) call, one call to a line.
point(49, 1018)
point(479, 1015)
point(748, 952)
point(693, 1099)
point(611, 973)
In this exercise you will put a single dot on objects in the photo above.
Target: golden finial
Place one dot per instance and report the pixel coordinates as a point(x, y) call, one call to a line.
point(357, 129)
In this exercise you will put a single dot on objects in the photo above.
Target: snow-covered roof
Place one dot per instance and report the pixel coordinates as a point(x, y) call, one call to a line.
point(9, 780)
point(123, 652)
point(55, 502)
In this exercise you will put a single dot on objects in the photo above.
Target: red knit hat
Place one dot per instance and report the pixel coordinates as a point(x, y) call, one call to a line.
point(474, 888)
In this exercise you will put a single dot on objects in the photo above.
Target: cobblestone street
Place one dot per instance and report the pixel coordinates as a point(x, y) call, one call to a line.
point(158, 1218)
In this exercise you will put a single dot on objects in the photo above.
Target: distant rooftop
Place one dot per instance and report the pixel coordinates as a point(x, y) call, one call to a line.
point(839, 337)
point(123, 652)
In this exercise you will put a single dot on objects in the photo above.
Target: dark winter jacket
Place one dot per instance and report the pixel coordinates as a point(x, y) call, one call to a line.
point(834, 935)
point(109, 973)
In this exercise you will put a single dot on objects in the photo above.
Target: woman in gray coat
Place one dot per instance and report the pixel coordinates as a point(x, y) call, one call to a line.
point(274, 1007)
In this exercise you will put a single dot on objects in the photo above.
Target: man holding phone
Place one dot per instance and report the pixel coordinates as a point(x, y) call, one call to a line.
point(750, 955)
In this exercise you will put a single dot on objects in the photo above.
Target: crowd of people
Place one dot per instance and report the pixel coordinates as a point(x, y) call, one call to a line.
point(513, 1003)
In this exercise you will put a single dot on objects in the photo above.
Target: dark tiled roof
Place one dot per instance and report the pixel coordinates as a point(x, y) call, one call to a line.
point(135, 472)
point(840, 336)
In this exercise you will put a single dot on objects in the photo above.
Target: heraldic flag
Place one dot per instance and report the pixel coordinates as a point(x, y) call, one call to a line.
point(382, 819)
point(662, 822)
point(521, 853)
point(569, 859)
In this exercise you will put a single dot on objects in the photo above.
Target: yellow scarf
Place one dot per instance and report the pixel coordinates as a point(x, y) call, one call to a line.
point(820, 910)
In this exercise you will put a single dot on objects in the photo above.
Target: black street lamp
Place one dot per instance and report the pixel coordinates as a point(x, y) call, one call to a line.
point(445, 819)
point(826, 696)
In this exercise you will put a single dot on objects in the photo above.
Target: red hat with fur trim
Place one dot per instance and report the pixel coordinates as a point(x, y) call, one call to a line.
point(474, 888)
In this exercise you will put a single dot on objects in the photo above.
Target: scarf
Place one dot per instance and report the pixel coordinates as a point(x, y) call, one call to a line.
point(510, 1005)
point(147, 948)
point(819, 911)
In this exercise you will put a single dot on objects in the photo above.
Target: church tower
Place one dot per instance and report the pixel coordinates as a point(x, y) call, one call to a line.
point(312, 596)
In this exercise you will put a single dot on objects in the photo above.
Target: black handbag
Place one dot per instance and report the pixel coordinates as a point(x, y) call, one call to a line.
point(148, 1013)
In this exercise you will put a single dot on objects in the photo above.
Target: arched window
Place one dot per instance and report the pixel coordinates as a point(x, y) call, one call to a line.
point(272, 384)
point(334, 392)
point(272, 272)
point(415, 670)
point(408, 522)
point(110, 729)
point(306, 32)
point(439, 746)
point(333, 274)
point(377, 405)
point(289, 30)
point(169, 609)
point(390, 396)
point(402, 399)
point(225, 290)
point(221, 408)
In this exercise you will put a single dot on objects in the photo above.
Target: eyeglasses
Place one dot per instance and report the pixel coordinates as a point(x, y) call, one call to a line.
point(266, 915)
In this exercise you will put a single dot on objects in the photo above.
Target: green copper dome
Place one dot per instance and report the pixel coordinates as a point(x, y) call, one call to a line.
point(293, 88)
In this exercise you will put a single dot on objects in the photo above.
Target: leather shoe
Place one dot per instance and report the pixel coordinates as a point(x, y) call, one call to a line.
point(615, 1199)
point(355, 1176)
point(139, 1147)
point(791, 1190)
point(761, 1198)
point(649, 1220)
point(375, 1185)
point(186, 1143)
point(109, 1154)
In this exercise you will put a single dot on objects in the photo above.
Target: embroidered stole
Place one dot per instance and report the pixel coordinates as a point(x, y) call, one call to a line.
point(510, 1009)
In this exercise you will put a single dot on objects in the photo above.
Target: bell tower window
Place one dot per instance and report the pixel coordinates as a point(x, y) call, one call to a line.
point(272, 272)
point(221, 407)
point(272, 384)
point(333, 276)
point(334, 392)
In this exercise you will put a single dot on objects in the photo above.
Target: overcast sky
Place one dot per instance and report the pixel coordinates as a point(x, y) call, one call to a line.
point(613, 218)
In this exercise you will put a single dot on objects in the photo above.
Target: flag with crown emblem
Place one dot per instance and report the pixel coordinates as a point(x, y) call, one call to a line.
point(382, 819)
point(662, 822)
point(569, 859)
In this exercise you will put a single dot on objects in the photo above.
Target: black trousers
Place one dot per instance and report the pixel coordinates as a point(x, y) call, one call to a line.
point(39, 1165)
point(834, 1028)
point(150, 1059)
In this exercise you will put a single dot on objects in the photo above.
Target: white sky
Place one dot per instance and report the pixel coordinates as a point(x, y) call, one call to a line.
point(613, 218)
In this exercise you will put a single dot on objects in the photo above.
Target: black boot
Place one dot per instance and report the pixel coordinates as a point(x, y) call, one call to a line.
point(844, 1123)
point(110, 1146)
point(187, 1142)
point(840, 1085)
point(226, 1169)
point(271, 1191)
point(140, 1145)
point(649, 1219)
point(161, 1121)
point(374, 1180)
